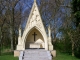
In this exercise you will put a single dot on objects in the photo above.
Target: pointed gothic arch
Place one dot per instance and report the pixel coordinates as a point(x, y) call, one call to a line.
point(39, 39)
point(32, 29)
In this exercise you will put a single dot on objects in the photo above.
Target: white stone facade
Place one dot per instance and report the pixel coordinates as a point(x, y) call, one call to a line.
point(34, 24)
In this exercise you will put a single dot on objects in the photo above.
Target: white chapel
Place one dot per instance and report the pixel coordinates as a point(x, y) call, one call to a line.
point(34, 35)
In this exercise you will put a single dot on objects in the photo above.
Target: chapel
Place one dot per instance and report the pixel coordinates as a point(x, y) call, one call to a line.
point(34, 35)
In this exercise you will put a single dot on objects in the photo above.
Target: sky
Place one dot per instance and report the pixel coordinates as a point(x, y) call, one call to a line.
point(27, 5)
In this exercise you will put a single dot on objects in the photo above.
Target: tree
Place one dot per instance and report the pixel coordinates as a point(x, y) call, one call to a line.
point(9, 21)
point(76, 13)
point(10, 16)
point(2, 21)
point(49, 12)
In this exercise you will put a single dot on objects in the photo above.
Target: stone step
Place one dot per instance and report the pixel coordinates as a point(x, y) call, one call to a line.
point(34, 54)
point(34, 51)
point(37, 54)
point(36, 59)
point(49, 58)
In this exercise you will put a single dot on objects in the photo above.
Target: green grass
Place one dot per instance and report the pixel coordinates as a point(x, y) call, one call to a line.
point(64, 56)
point(60, 56)
point(8, 57)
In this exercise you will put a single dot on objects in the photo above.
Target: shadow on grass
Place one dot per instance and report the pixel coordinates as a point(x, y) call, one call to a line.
point(7, 53)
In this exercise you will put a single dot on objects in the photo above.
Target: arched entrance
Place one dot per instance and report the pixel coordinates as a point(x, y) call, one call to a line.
point(34, 39)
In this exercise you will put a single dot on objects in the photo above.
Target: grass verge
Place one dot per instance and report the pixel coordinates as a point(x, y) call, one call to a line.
point(8, 57)
point(64, 56)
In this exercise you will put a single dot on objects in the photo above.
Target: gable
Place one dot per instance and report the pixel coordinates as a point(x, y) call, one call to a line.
point(34, 17)
point(34, 20)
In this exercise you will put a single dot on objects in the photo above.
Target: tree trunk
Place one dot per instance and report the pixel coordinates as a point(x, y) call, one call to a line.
point(72, 43)
point(11, 33)
point(72, 48)
point(54, 31)
point(12, 30)
point(11, 37)
point(0, 40)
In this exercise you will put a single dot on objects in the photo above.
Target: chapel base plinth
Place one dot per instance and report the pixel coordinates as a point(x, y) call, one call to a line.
point(50, 47)
point(16, 53)
point(53, 53)
point(20, 47)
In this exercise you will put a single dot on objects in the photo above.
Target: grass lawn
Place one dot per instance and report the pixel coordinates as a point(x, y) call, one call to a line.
point(8, 57)
point(60, 56)
point(64, 56)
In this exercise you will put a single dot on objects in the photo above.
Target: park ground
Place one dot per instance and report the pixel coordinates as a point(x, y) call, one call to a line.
point(60, 56)
point(64, 56)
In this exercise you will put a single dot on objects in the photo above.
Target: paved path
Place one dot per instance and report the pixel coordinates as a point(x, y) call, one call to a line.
point(37, 54)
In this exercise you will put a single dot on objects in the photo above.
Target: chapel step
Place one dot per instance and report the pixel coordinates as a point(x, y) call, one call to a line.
point(36, 59)
point(37, 54)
